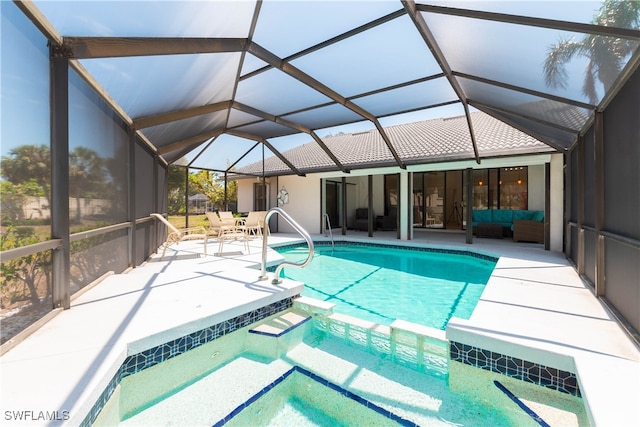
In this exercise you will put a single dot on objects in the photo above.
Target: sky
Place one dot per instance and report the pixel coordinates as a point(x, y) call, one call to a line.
point(24, 89)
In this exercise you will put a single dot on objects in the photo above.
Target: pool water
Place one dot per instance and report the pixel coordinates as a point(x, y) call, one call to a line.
point(301, 401)
point(216, 383)
point(382, 284)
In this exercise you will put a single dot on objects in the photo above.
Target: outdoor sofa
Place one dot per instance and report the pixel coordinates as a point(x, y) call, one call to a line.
point(524, 225)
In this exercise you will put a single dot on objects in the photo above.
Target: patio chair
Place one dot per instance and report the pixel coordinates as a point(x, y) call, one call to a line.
point(216, 225)
point(253, 223)
point(225, 214)
point(362, 219)
point(232, 233)
point(227, 217)
point(177, 235)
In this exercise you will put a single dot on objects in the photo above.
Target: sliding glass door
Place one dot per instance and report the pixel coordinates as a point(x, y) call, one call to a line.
point(428, 199)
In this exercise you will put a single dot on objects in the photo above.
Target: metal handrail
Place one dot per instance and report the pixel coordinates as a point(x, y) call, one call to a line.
point(265, 233)
point(326, 224)
point(27, 250)
point(613, 236)
point(10, 254)
point(98, 231)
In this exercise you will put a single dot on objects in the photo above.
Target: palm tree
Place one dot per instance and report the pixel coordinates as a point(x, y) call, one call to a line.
point(606, 55)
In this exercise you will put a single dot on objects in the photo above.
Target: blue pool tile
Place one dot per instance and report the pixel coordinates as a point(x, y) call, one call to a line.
point(302, 370)
point(379, 409)
point(522, 405)
point(237, 411)
point(359, 399)
point(391, 246)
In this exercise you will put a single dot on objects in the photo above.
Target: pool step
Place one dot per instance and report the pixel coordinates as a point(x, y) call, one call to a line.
point(280, 325)
point(275, 336)
point(211, 397)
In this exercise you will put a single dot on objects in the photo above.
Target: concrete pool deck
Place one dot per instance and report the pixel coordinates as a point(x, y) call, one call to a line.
point(535, 307)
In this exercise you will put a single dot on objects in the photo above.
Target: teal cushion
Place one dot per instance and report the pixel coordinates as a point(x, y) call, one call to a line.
point(503, 216)
point(483, 215)
point(538, 216)
point(517, 215)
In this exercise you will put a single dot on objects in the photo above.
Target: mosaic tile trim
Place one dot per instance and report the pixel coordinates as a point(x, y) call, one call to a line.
point(552, 378)
point(324, 382)
point(391, 246)
point(151, 357)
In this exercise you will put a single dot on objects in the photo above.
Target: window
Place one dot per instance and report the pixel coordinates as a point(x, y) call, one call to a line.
point(428, 199)
point(260, 196)
point(504, 188)
point(391, 194)
point(480, 181)
point(513, 188)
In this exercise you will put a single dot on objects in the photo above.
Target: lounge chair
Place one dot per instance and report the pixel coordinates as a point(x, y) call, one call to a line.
point(232, 233)
point(216, 225)
point(253, 223)
point(227, 217)
point(177, 235)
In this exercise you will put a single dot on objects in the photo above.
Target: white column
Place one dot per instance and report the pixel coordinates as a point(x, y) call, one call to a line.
point(556, 203)
point(403, 197)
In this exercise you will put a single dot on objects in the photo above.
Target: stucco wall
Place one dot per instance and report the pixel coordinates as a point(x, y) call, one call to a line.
point(245, 195)
point(535, 194)
point(304, 202)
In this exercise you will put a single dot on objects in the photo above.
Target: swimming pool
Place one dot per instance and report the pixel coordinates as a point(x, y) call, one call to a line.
point(384, 283)
point(306, 377)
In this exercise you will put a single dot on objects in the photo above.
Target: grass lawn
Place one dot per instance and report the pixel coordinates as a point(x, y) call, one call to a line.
point(179, 221)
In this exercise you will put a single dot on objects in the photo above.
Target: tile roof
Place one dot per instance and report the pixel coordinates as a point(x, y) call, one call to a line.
point(430, 141)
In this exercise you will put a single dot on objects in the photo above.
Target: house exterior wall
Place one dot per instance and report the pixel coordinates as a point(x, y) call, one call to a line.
point(535, 190)
point(304, 203)
point(245, 195)
point(305, 193)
